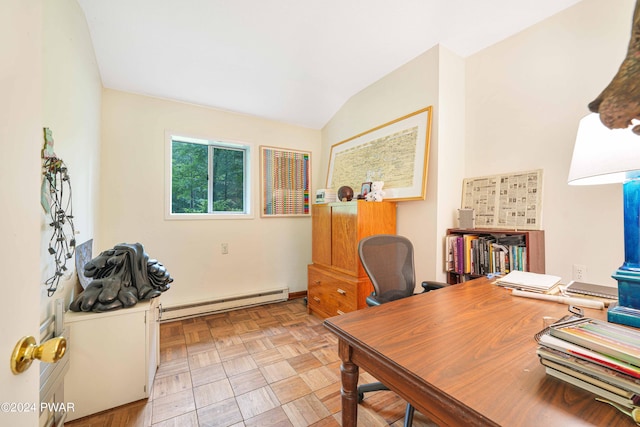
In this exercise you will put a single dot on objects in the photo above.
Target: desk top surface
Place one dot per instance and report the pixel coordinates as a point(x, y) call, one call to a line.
point(471, 348)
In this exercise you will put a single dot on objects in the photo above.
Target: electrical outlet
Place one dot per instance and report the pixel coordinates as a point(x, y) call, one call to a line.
point(579, 272)
point(224, 248)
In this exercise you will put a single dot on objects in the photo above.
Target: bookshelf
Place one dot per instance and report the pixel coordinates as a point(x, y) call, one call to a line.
point(475, 252)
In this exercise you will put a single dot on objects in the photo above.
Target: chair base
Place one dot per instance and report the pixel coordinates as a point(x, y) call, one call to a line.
point(408, 416)
point(365, 388)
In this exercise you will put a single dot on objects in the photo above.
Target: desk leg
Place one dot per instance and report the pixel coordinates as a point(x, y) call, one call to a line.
point(349, 391)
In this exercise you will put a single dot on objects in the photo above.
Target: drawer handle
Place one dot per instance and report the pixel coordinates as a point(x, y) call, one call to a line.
point(317, 282)
point(342, 292)
point(340, 312)
point(316, 299)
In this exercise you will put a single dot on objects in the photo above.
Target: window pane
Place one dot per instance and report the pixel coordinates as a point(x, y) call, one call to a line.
point(188, 177)
point(228, 180)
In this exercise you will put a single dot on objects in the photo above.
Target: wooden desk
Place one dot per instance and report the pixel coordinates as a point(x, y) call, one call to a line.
point(464, 356)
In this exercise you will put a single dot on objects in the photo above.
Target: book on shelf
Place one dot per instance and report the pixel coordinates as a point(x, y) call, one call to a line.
point(449, 263)
point(528, 281)
point(460, 260)
point(616, 341)
point(591, 289)
point(468, 239)
point(455, 254)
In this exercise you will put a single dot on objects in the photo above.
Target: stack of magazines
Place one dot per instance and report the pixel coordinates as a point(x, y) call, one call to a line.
point(596, 356)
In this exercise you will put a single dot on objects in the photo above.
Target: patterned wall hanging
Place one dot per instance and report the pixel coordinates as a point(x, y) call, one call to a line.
point(286, 182)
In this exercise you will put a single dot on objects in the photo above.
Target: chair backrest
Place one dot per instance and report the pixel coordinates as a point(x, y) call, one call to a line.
point(388, 261)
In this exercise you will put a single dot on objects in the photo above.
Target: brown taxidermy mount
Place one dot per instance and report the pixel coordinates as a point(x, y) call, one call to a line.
point(619, 102)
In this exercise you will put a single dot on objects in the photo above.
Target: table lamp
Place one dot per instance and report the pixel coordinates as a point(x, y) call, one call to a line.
point(605, 156)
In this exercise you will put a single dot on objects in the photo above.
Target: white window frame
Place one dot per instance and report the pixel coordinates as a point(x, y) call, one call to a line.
point(248, 177)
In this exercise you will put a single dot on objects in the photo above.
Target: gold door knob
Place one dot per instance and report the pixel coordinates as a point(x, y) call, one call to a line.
point(26, 351)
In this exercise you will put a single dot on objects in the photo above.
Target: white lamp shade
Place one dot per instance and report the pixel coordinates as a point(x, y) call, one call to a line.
point(602, 155)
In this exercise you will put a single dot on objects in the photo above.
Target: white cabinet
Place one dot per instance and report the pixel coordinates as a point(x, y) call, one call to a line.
point(113, 357)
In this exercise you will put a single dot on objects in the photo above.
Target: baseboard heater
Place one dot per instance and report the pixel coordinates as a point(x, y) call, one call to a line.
point(222, 304)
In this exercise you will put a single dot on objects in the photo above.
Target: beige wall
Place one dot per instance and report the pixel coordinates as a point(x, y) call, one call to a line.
point(264, 253)
point(525, 96)
point(71, 94)
point(511, 107)
point(435, 78)
point(450, 151)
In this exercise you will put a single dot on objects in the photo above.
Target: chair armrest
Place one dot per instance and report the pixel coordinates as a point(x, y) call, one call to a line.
point(372, 301)
point(432, 286)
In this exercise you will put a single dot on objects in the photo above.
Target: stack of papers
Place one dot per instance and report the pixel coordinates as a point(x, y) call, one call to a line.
point(532, 282)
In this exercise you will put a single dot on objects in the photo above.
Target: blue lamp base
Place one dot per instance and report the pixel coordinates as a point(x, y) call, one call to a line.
point(627, 310)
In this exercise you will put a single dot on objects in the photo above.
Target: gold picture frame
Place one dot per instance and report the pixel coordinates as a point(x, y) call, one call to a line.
point(396, 153)
point(285, 182)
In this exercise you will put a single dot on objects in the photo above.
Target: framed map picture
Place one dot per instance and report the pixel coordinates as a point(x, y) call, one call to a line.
point(286, 182)
point(396, 153)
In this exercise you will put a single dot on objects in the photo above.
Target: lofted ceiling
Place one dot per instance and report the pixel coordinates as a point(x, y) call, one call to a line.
point(293, 61)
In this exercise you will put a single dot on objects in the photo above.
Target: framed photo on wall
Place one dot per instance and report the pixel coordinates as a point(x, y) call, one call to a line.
point(285, 176)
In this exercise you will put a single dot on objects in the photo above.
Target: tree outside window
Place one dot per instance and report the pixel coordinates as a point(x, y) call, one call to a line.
point(208, 177)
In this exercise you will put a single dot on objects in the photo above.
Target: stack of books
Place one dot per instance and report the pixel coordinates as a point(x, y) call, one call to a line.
point(531, 282)
point(606, 294)
point(596, 356)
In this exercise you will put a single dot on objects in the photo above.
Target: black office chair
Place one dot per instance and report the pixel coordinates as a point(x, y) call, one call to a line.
point(388, 261)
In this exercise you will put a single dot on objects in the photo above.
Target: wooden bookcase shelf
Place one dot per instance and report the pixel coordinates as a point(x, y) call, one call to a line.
point(484, 258)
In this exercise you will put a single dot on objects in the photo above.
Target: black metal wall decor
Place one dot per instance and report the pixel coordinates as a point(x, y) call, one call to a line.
point(56, 201)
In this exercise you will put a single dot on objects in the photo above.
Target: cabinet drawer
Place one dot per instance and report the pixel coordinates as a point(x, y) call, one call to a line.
point(330, 294)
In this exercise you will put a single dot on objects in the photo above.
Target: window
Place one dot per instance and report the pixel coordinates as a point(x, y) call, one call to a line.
point(208, 177)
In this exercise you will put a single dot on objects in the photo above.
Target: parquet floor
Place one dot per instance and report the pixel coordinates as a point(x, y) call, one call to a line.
point(272, 365)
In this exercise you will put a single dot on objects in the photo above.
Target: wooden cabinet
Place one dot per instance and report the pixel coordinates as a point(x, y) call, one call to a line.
point(331, 294)
point(524, 250)
point(113, 357)
point(337, 283)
